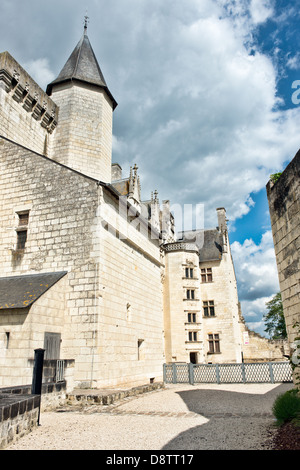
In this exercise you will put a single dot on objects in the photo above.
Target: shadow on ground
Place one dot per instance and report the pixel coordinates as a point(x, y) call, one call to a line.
point(236, 421)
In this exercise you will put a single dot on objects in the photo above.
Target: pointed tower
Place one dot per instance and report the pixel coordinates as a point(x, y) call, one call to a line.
point(83, 137)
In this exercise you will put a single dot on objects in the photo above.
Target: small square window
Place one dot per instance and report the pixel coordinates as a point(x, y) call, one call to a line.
point(23, 218)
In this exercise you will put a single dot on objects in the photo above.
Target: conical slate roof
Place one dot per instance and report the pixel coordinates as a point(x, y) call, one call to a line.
point(83, 66)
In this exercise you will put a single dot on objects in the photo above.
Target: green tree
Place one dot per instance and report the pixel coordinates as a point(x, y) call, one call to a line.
point(274, 318)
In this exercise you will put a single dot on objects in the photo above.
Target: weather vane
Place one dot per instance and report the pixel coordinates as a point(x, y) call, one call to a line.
point(86, 20)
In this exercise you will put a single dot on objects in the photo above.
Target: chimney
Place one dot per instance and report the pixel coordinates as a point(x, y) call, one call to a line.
point(222, 221)
point(116, 172)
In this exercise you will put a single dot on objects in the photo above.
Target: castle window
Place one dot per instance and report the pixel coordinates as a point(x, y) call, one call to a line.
point(190, 294)
point(128, 312)
point(189, 272)
point(23, 218)
point(192, 318)
point(22, 230)
point(140, 345)
point(213, 343)
point(206, 274)
point(192, 336)
point(21, 239)
point(7, 334)
point(208, 308)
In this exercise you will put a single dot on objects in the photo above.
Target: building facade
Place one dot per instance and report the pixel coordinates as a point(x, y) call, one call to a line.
point(90, 271)
point(201, 292)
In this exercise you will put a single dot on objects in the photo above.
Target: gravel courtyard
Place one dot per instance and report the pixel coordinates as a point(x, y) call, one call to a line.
point(179, 417)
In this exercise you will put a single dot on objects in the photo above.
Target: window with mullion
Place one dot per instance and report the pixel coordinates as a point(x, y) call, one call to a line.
point(208, 308)
point(213, 343)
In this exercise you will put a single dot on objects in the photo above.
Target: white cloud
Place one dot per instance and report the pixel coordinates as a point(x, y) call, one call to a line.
point(197, 111)
point(261, 10)
point(256, 274)
point(256, 267)
point(294, 62)
point(40, 71)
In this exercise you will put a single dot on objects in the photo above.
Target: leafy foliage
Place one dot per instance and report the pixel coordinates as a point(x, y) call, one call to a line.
point(274, 318)
point(275, 177)
point(287, 407)
point(295, 359)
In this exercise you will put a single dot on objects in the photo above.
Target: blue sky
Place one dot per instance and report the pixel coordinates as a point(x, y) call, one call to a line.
point(206, 104)
point(278, 38)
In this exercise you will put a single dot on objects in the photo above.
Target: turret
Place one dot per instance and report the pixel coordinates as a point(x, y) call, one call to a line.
point(83, 137)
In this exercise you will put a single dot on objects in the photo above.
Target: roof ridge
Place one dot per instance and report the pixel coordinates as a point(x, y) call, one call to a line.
point(78, 55)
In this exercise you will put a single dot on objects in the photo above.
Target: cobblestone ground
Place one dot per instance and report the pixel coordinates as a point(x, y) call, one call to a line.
point(204, 417)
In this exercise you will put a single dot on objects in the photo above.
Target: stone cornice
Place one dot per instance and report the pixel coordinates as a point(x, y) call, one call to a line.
point(25, 91)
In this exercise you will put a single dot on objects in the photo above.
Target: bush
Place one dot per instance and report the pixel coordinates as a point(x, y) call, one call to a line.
point(275, 177)
point(287, 407)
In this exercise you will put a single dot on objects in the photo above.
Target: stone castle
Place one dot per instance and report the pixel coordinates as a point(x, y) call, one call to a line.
point(90, 271)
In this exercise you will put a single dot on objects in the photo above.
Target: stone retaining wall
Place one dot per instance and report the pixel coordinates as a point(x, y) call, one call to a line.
point(18, 416)
point(19, 410)
point(108, 397)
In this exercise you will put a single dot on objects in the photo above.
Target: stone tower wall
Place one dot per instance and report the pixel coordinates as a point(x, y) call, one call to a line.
point(284, 205)
point(83, 137)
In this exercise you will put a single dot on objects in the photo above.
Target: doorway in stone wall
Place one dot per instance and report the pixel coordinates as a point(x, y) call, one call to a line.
point(193, 357)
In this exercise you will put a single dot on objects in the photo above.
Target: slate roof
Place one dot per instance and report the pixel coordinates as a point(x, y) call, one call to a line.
point(23, 291)
point(209, 242)
point(82, 65)
point(122, 186)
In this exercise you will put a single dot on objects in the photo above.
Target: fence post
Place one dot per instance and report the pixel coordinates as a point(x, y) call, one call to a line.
point(36, 386)
point(191, 373)
point(271, 372)
point(174, 373)
point(217, 373)
point(243, 372)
